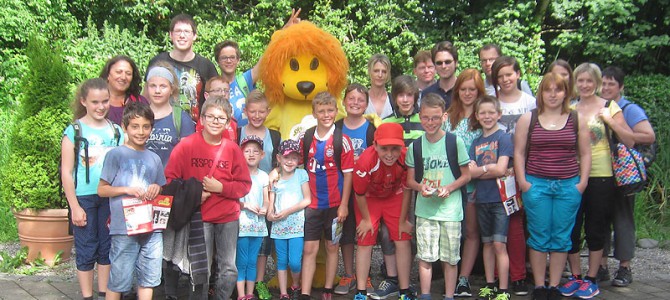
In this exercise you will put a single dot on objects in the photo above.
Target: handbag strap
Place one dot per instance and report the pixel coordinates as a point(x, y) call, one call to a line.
point(218, 156)
point(611, 138)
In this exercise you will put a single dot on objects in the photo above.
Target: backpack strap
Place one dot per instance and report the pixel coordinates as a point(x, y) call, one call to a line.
point(307, 140)
point(78, 141)
point(176, 120)
point(337, 146)
point(611, 139)
point(117, 132)
point(533, 120)
point(370, 134)
point(418, 160)
point(275, 136)
point(452, 157)
point(242, 84)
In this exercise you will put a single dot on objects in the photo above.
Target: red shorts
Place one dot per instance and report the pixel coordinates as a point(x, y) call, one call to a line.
point(387, 210)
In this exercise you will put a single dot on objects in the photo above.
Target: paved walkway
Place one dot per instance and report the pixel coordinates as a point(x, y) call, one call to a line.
point(47, 288)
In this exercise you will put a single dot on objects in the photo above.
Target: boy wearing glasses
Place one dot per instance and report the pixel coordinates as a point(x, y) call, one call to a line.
point(439, 208)
point(445, 58)
point(221, 166)
point(192, 69)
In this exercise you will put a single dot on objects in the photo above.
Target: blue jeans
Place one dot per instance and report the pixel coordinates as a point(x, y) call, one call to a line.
point(141, 255)
point(493, 222)
point(551, 206)
point(92, 241)
point(224, 237)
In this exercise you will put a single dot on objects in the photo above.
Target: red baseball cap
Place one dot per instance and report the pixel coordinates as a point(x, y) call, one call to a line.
point(389, 134)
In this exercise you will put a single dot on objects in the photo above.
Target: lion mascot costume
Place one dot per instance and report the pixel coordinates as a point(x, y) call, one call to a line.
point(300, 62)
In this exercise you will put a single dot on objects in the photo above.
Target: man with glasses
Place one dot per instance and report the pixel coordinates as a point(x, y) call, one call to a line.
point(445, 58)
point(192, 69)
point(487, 55)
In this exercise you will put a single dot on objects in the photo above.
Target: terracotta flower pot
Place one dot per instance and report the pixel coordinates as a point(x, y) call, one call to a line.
point(45, 233)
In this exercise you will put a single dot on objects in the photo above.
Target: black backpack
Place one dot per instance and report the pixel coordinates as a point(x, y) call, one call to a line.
point(452, 157)
point(275, 136)
point(648, 151)
point(369, 134)
point(79, 140)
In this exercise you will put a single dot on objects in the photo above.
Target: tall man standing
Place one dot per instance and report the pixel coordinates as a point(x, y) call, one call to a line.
point(192, 69)
point(445, 58)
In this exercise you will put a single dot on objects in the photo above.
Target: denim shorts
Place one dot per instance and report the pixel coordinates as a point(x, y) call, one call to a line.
point(92, 241)
point(493, 222)
point(141, 255)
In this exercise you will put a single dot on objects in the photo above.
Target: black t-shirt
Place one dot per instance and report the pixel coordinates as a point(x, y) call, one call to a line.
point(436, 89)
point(192, 76)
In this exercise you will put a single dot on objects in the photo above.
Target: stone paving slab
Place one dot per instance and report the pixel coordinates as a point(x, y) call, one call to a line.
point(39, 288)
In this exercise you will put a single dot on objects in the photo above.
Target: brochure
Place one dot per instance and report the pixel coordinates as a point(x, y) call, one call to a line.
point(146, 216)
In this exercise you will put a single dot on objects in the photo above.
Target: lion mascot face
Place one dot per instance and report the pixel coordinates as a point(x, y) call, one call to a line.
point(301, 61)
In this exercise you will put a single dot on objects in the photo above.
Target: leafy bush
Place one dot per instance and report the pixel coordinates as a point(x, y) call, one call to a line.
point(46, 83)
point(652, 211)
point(30, 177)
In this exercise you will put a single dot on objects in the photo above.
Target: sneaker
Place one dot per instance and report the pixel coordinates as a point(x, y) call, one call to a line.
point(503, 296)
point(553, 294)
point(623, 277)
point(261, 290)
point(294, 293)
point(570, 287)
point(360, 296)
point(284, 297)
point(463, 288)
point(603, 274)
point(347, 283)
point(386, 288)
point(408, 296)
point(327, 296)
point(540, 293)
point(587, 290)
point(520, 288)
point(368, 286)
point(486, 293)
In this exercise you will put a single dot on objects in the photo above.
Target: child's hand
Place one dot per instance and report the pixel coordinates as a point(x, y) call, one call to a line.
point(262, 211)
point(273, 177)
point(427, 191)
point(136, 192)
point(78, 216)
point(342, 213)
point(152, 192)
point(205, 196)
point(280, 215)
point(472, 164)
point(363, 228)
point(443, 192)
point(212, 185)
point(405, 227)
point(252, 208)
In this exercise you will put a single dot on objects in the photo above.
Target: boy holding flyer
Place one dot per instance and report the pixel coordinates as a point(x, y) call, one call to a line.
point(490, 154)
point(132, 172)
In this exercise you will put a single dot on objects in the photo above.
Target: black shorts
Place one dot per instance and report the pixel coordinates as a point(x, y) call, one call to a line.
point(349, 226)
point(318, 222)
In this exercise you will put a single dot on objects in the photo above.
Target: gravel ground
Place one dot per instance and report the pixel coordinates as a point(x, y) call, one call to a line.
point(648, 265)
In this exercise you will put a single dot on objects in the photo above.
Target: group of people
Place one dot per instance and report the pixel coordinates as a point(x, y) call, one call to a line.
point(425, 183)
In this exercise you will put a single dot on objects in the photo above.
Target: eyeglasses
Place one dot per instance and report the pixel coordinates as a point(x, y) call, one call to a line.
point(443, 62)
point(211, 118)
point(227, 58)
point(184, 32)
point(431, 119)
point(219, 91)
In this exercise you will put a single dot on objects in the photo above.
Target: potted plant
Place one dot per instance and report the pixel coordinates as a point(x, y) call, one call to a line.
point(30, 178)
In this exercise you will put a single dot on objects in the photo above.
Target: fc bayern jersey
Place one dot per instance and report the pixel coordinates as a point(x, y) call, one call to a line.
point(325, 180)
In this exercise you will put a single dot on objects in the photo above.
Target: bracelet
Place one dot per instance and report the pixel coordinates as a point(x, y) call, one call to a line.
point(484, 168)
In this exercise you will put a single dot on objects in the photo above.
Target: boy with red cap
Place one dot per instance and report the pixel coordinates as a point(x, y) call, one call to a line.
point(379, 181)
